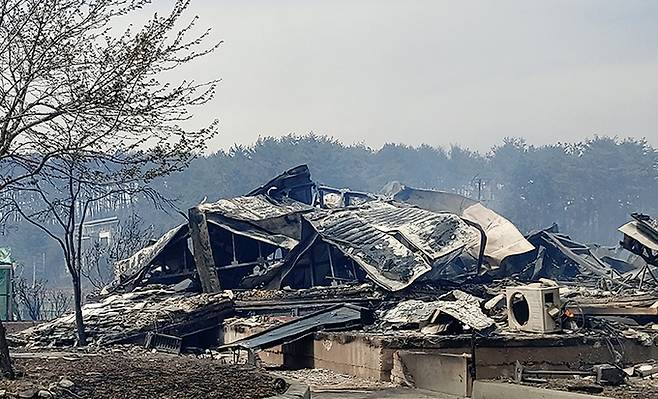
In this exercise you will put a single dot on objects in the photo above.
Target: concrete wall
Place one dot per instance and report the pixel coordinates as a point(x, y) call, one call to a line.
point(495, 362)
point(370, 358)
point(360, 355)
point(353, 355)
point(446, 373)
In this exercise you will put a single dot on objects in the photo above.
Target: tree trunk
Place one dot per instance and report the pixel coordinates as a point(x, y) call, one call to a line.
point(5, 361)
point(77, 306)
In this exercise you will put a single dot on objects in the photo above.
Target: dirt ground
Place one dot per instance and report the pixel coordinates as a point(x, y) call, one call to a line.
point(144, 375)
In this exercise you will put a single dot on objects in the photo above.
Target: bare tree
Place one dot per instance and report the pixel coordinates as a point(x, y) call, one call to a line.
point(84, 115)
point(57, 303)
point(99, 257)
point(68, 84)
point(31, 296)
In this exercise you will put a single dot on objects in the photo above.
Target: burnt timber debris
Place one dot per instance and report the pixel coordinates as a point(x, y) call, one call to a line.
point(293, 260)
point(129, 318)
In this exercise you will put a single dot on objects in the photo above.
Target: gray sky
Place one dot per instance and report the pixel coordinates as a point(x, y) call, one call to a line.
point(436, 72)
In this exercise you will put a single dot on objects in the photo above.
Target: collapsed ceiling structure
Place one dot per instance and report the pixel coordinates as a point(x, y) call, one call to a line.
point(291, 232)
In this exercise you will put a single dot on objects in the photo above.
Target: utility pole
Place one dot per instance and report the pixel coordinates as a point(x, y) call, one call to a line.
point(479, 189)
point(478, 180)
point(34, 272)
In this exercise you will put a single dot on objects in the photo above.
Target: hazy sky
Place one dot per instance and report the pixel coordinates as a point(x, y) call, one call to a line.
point(436, 72)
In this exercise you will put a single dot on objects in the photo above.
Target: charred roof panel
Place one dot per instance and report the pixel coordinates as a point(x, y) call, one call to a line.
point(394, 245)
point(295, 183)
point(634, 230)
point(145, 256)
point(335, 317)
point(383, 257)
point(503, 238)
point(247, 230)
point(254, 209)
point(261, 218)
point(436, 234)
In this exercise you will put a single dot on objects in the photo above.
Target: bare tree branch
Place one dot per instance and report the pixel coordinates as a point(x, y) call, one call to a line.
point(85, 117)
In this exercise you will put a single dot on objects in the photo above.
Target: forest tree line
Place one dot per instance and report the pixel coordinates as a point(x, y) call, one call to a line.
point(588, 188)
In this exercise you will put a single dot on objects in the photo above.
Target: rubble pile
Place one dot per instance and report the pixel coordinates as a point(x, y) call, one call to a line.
point(284, 248)
point(125, 318)
point(365, 290)
point(452, 313)
point(640, 382)
point(254, 323)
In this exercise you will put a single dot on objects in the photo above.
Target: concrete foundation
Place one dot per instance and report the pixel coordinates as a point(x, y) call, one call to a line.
point(498, 390)
point(426, 360)
point(371, 357)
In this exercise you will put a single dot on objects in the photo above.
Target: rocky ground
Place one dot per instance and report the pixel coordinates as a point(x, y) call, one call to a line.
point(132, 375)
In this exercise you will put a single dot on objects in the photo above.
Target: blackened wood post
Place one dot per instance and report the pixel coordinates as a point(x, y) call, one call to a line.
point(205, 264)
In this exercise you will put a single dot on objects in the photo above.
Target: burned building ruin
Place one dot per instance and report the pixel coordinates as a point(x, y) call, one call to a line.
point(294, 233)
point(410, 285)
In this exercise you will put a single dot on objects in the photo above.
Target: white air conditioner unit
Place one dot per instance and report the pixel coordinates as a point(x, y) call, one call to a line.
point(534, 308)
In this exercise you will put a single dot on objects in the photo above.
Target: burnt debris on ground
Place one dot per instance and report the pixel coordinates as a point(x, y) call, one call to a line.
point(109, 375)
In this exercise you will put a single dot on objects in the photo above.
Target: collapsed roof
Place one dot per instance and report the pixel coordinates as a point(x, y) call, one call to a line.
point(503, 239)
point(129, 317)
point(169, 250)
point(295, 183)
point(292, 232)
point(642, 231)
point(394, 244)
point(259, 217)
point(558, 257)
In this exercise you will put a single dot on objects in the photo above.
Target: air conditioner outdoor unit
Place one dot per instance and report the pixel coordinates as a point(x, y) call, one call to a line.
point(534, 308)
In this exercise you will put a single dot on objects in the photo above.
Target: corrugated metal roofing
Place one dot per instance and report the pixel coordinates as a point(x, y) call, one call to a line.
point(387, 261)
point(254, 208)
point(394, 244)
point(632, 230)
point(247, 230)
point(331, 318)
point(145, 256)
point(436, 234)
point(503, 238)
